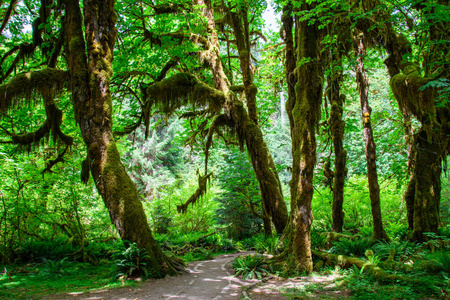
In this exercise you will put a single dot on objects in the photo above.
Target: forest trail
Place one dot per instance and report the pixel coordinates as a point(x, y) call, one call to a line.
point(206, 280)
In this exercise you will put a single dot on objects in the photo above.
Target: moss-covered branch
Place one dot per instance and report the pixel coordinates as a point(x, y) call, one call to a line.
point(170, 8)
point(46, 82)
point(52, 162)
point(201, 190)
point(347, 262)
point(407, 88)
point(51, 125)
point(181, 90)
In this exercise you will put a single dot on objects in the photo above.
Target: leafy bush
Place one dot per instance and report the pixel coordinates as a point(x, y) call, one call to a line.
point(56, 267)
point(250, 266)
point(250, 243)
point(131, 262)
point(54, 249)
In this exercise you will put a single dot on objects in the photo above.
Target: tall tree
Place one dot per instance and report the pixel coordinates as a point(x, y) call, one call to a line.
point(223, 107)
point(337, 49)
point(89, 54)
point(374, 190)
point(414, 86)
point(304, 113)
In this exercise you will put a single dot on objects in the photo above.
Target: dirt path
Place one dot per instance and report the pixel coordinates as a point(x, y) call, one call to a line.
point(213, 280)
point(206, 280)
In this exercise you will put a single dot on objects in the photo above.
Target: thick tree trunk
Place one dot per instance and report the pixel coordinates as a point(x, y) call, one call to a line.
point(374, 189)
point(304, 113)
point(240, 25)
point(258, 151)
point(90, 77)
point(427, 186)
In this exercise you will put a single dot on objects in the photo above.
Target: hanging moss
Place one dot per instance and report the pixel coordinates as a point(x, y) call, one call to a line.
point(22, 86)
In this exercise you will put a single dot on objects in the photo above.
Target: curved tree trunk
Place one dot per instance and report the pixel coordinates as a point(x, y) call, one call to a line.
point(374, 189)
point(91, 96)
point(407, 84)
point(247, 124)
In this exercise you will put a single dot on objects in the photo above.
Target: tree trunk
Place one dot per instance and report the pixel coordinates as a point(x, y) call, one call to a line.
point(266, 222)
point(427, 186)
point(90, 80)
point(374, 189)
point(409, 197)
point(304, 113)
point(337, 132)
point(411, 188)
point(258, 151)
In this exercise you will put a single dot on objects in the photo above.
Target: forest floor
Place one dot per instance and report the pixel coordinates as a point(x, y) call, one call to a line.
point(213, 280)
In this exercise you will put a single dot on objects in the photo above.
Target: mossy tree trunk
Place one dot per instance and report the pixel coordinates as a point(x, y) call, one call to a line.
point(430, 143)
point(247, 122)
point(91, 96)
point(337, 133)
point(290, 61)
point(410, 189)
point(374, 189)
point(427, 173)
point(304, 112)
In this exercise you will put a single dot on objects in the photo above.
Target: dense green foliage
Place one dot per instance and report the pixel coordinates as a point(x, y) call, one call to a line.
point(56, 229)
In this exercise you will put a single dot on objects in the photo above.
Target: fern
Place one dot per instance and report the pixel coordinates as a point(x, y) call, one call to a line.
point(250, 267)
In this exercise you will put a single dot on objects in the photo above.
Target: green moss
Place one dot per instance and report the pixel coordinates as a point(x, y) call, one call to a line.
point(46, 82)
point(412, 98)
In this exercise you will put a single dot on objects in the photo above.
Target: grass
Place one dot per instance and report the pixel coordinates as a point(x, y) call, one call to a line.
point(33, 281)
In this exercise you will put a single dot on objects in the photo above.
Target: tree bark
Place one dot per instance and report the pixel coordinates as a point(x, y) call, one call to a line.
point(374, 189)
point(91, 96)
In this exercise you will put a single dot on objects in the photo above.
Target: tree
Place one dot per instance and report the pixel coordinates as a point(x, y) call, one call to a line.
point(417, 93)
point(223, 113)
point(372, 175)
point(88, 78)
point(337, 49)
point(303, 108)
